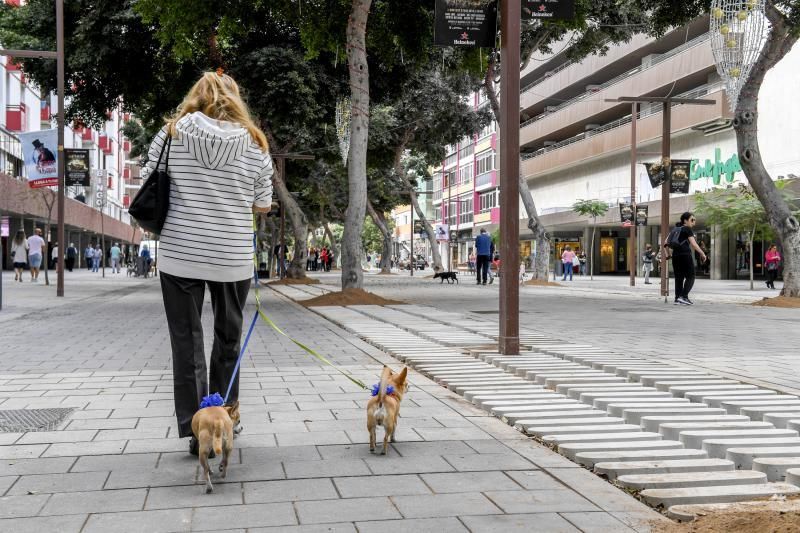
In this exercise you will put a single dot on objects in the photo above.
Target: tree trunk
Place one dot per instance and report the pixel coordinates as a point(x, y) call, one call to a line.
point(297, 219)
point(273, 241)
point(386, 252)
point(591, 251)
point(780, 40)
point(352, 253)
point(752, 263)
point(542, 260)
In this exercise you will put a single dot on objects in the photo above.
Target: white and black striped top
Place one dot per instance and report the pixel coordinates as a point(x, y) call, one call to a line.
point(218, 173)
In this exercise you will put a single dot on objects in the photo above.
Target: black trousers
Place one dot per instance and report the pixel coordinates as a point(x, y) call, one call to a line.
point(482, 267)
point(772, 275)
point(183, 302)
point(683, 265)
point(70, 263)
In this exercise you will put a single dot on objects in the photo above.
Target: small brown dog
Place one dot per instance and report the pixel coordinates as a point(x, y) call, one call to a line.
point(213, 427)
point(384, 407)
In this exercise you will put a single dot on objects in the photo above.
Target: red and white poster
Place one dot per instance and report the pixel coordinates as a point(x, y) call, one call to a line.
point(40, 155)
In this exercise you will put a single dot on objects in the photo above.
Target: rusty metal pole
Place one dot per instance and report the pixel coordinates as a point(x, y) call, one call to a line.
point(510, 22)
point(413, 258)
point(61, 162)
point(665, 151)
point(632, 245)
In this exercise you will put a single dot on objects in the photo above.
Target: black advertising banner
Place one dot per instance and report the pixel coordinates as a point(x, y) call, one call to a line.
point(469, 23)
point(419, 228)
point(77, 169)
point(656, 173)
point(626, 214)
point(548, 9)
point(641, 215)
point(679, 176)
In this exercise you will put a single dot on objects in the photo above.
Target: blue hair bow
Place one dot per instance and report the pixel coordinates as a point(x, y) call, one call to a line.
point(212, 400)
point(377, 387)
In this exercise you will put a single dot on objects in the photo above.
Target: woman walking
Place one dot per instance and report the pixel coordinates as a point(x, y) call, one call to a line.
point(220, 173)
point(773, 260)
point(567, 258)
point(680, 243)
point(19, 254)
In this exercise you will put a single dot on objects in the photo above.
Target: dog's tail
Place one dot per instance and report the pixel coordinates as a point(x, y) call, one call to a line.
point(216, 439)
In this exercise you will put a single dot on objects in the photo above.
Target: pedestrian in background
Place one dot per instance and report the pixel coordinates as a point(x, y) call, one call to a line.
point(582, 262)
point(483, 249)
point(471, 263)
point(679, 245)
point(214, 144)
point(97, 256)
point(567, 257)
point(116, 252)
point(54, 256)
point(19, 254)
point(36, 246)
point(88, 253)
point(647, 263)
point(773, 261)
point(72, 254)
point(146, 260)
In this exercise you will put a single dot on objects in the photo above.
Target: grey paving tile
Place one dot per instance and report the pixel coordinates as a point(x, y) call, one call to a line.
point(437, 505)
point(95, 463)
point(488, 461)
point(463, 433)
point(468, 482)
point(289, 490)
point(50, 524)
point(293, 453)
point(243, 516)
point(159, 477)
point(418, 449)
point(347, 510)
point(540, 501)
point(49, 483)
point(598, 491)
point(596, 523)
point(313, 528)
point(85, 448)
point(522, 523)
point(103, 423)
point(383, 465)
point(304, 439)
point(225, 493)
point(413, 525)
point(99, 501)
point(366, 486)
point(325, 468)
point(20, 506)
point(642, 521)
point(537, 480)
point(6, 482)
point(22, 452)
point(172, 520)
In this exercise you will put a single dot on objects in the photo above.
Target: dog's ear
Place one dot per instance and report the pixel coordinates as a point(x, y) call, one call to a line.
point(233, 410)
point(401, 377)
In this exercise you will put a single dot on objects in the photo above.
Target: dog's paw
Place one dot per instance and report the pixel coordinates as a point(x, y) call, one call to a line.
point(209, 488)
point(372, 450)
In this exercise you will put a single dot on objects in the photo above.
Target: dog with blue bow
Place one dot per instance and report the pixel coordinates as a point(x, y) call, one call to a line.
point(383, 408)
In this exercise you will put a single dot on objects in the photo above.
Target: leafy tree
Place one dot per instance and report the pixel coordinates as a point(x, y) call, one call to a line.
point(782, 34)
point(593, 209)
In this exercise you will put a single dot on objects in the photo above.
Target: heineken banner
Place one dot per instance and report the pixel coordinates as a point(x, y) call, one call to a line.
point(641, 215)
point(77, 170)
point(39, 155)
point(626, 214)
point(656, 173)
point(679, 176)
point(548, 9)
point(469, 23)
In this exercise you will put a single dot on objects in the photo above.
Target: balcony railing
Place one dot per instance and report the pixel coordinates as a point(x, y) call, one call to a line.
point(646, 112)
point(655, 61)
point(483, 179)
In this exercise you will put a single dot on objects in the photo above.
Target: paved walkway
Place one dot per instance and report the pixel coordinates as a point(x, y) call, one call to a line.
point(302, 463)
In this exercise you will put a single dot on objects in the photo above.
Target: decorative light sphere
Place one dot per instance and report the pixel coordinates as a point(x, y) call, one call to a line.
point(717, 13)
point(730, 43)
point(724, 29)
point(741, 15)
point(734, 72)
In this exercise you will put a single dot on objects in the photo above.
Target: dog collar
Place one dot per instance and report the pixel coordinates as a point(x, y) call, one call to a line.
point(212, 400)
point(377, 387)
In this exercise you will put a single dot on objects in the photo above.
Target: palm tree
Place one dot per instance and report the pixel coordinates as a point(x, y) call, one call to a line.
point(594, 209)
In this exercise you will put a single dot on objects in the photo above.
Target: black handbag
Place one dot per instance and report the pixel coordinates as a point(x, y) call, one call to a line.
point(151, 203)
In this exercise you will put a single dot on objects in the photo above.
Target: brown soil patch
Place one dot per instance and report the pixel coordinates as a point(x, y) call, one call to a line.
point(348, 297)
point(542, 283)
point(779, 301)
point(293, 281)
point(766, 517)
point(386, 274)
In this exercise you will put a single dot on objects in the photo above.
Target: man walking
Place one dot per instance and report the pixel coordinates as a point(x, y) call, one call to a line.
point(36, 246)
point(115, 255)
point(88, 253)
point(483, 249)
point(72, 254)
point(647, 263)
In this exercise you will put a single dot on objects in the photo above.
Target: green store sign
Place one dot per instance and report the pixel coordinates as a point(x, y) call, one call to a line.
point(716, 169)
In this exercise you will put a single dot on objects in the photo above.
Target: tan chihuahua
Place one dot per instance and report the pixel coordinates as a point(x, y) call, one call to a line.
point(384, 406)
point(213, 427)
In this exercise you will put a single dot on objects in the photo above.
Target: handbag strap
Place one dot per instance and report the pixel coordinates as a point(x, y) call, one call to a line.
point(167, 145)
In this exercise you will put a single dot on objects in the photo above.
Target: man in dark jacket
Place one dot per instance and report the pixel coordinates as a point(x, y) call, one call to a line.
point(483, 255)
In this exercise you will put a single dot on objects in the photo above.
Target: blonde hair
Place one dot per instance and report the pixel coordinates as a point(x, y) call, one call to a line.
point(217, 96)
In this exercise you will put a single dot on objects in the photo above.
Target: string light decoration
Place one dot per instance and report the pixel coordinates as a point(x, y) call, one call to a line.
point(738, 32)
point(343, 127)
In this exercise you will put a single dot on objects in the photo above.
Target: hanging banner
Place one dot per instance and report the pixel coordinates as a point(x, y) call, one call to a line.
point(441, 232)
point(626, 214)
point(39, 149)
point(468, 23)
point(548, 9)
point(680, 170)
point(657, 173)
point(641, 215)
point(419, 228)
point(77, 169)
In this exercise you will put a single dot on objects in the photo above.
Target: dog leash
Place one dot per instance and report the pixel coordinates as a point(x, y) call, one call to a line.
point(261, 314)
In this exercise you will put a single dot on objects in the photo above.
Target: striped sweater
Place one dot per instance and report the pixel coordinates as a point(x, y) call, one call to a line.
point(217, 175)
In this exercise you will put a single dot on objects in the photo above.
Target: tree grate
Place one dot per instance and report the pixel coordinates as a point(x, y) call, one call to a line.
point(22, 420)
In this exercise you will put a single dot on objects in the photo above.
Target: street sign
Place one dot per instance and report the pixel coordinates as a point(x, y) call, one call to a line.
point(465, 23)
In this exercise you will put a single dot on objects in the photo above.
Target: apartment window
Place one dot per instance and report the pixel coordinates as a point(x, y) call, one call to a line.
point(465, 174)
point(465, 210)
point(488, 130)
point(452, 211)
point(450, 178)
point(488, 200)
point(485, 162)
point(451, 159)
point(466, 151)
point(437, 213)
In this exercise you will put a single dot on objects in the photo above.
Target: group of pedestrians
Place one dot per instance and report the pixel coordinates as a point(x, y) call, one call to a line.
point(571, 260)
point(320, 260)
point(27, 252)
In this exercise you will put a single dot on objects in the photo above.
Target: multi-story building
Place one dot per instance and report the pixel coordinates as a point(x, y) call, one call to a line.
point(575, 140)
point(28, 110)
point(402, 217)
